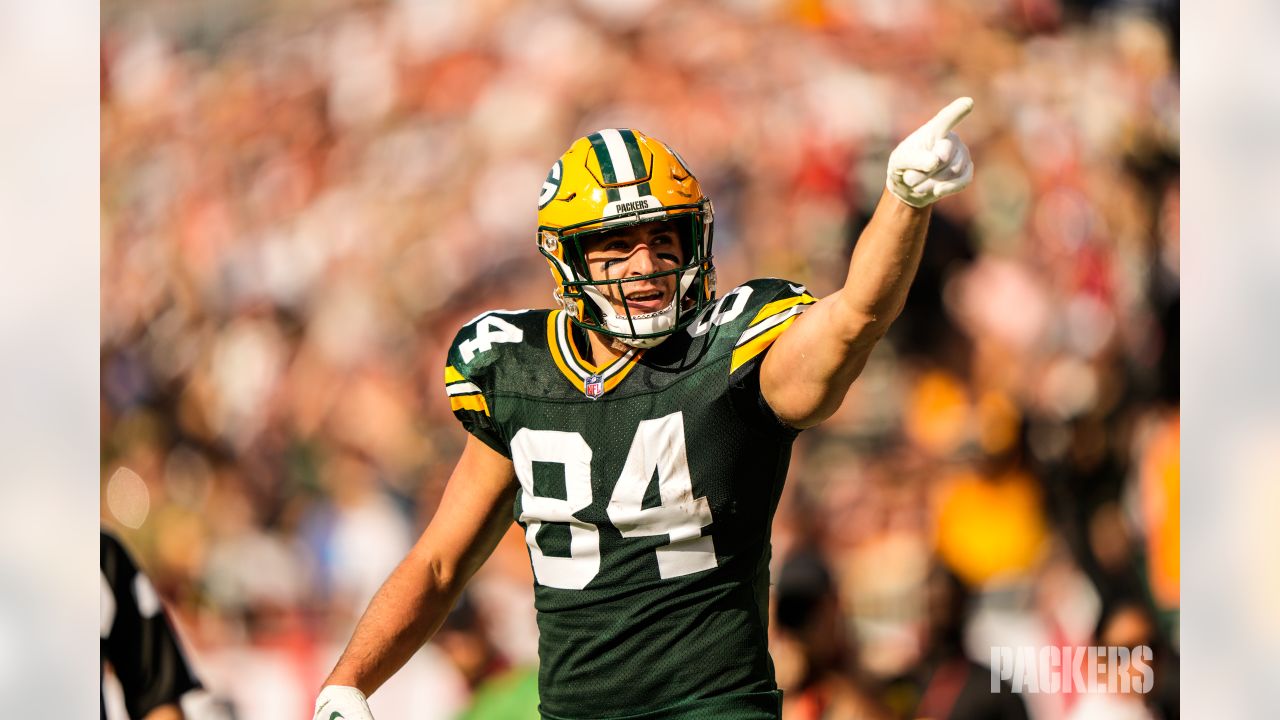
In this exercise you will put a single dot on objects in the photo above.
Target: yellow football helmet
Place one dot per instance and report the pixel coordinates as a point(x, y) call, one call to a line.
point(614, 178)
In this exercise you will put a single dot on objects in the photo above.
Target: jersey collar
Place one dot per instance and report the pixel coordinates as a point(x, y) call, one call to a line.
point(591, 380)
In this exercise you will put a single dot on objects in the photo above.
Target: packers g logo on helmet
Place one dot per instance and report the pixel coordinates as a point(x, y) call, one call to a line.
point(613, 178)
point(550, 185)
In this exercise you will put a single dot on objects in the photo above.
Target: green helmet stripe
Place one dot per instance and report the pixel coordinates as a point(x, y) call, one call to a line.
point(633, 151)
point(605, 160)
point(608, 174)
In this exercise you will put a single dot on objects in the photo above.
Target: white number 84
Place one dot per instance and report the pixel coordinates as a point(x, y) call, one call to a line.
point(658, 444)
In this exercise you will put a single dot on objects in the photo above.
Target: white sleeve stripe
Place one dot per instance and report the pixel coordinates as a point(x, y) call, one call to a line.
point(107, 606)
point(145, 595)
point(770, 323)
point(462, 388)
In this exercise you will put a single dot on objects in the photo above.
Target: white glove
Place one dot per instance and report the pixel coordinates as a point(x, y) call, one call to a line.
point(932, 162)
point(341, 702)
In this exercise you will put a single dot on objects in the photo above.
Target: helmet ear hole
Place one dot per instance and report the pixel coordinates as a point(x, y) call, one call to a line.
point(548, 240)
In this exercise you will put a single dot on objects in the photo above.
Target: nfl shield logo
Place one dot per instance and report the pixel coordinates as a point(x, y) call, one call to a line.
point(593, 386)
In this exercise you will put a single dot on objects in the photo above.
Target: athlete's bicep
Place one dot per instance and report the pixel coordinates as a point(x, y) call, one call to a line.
point(474, 513)
point(810, 367)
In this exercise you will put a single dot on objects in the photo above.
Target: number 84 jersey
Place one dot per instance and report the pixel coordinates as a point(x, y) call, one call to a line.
point(647, 492)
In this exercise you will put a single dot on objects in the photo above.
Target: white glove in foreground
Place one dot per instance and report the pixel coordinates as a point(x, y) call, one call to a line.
point(932, 162)
point(340, 702)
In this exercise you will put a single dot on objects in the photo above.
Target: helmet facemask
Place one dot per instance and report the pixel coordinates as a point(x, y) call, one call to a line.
point(588, 300)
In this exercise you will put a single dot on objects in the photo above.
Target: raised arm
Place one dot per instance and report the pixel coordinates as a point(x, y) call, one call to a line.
point(809, 369)
point(410, 606)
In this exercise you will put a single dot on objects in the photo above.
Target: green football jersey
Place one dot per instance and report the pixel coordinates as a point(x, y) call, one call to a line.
point(647, 493)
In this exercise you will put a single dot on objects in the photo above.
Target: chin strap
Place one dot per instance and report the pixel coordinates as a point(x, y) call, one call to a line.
point(642, 343)
point(659, 321)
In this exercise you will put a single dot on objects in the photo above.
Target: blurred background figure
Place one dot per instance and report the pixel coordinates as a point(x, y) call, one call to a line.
point(1129, 623)
point(817, 670)
point(301, 202)
point(139, 647)
point(946, 683)
point(499, 690)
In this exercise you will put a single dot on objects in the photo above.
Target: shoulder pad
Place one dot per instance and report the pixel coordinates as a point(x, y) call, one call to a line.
point(477, 350)
point(479, 344)
point(751, 316)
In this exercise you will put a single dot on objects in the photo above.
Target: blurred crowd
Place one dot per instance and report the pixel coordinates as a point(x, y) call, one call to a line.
point(302, 203)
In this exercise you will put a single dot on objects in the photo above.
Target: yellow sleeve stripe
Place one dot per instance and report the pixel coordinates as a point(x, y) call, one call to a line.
point(475, 403)
point(758, 344)
point(451, 375)
point(778, 306)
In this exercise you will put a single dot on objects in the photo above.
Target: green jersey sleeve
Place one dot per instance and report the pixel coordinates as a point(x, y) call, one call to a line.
point(469, 375)
point(772, 305)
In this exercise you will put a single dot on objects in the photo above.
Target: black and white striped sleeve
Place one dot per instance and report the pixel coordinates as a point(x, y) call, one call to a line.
point(136, 636)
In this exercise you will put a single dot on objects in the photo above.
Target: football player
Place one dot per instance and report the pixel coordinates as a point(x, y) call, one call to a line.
point(640, 432)
point(138, 640)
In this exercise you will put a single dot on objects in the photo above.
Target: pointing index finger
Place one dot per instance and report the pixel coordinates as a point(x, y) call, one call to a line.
point(950, 116)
